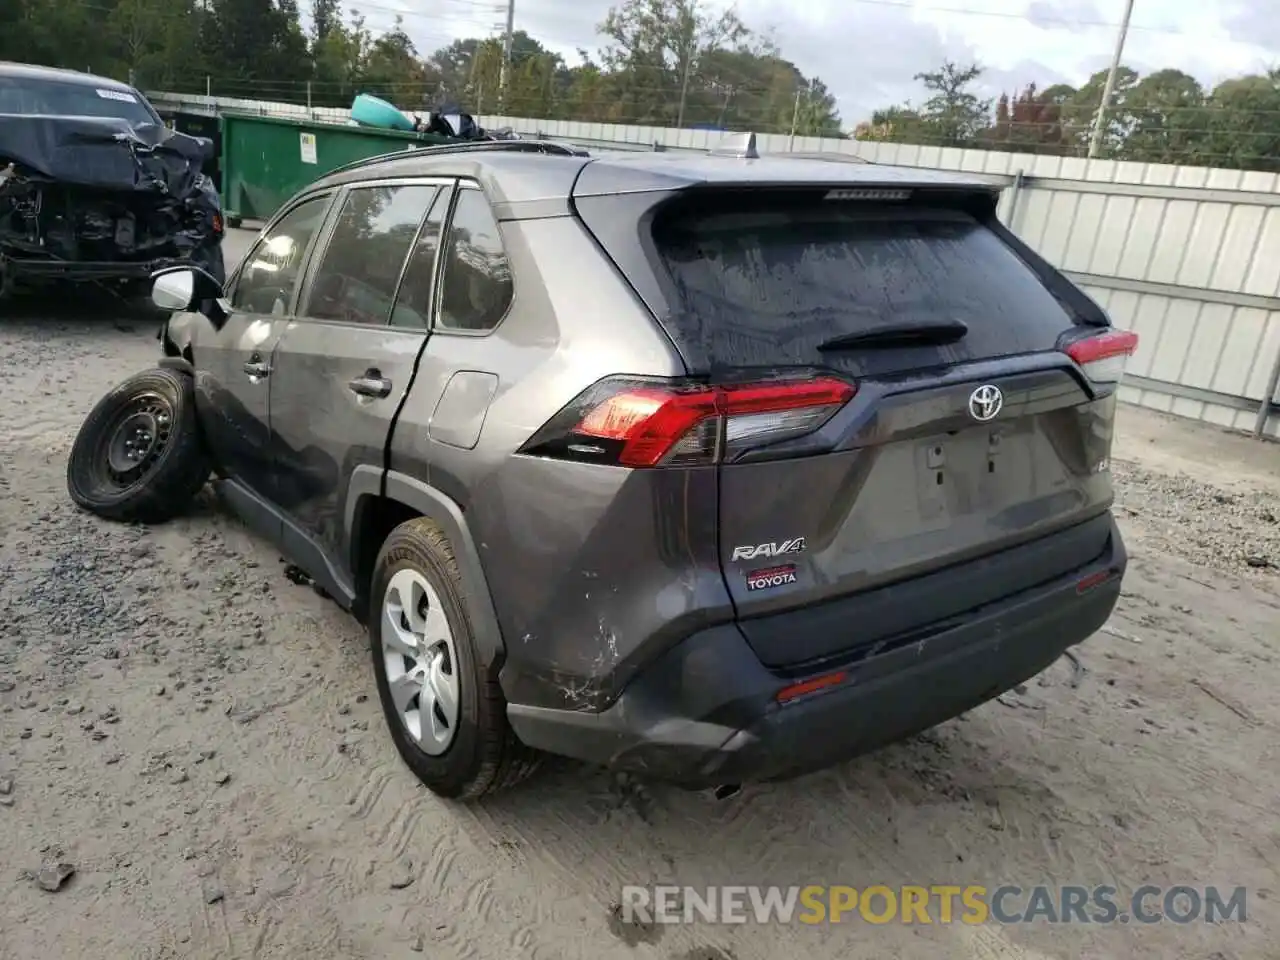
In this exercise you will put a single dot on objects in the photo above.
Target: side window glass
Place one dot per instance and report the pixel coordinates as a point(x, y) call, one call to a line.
point(355, 281)
point(413, 306)
point(476, 287)
point(271, 269)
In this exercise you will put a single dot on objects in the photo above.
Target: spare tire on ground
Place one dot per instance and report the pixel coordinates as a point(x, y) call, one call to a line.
point(139, 456)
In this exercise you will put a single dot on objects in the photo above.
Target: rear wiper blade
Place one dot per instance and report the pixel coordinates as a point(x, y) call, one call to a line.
point(929, 333)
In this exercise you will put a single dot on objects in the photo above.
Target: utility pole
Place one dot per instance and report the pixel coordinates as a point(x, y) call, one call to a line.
point(802, 91)
point(684, 88)
point(795, 119)
point(1100, 121)
point(506, 51)
point(690, 51)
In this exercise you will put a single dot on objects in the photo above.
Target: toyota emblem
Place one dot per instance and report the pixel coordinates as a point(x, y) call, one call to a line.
point(985, 402)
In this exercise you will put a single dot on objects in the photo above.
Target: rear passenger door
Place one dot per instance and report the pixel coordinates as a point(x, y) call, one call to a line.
point(458, 374)
point(346, 360)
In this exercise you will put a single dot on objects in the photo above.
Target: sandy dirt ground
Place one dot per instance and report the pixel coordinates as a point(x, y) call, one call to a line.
point(201, 739)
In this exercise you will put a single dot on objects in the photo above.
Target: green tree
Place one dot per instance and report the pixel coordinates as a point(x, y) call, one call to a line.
point(662, 62)
point(1167, 116)
point(1031, 122)
point(1080, 112)
point(258, 47)
point(655, 47)
point(953, 114)
point(675, 62)
point(392, 69)
point(325, 15)
point(155, 42)
point(1242, 123)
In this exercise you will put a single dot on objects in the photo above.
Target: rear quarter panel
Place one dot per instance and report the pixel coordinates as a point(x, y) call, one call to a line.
point(589, 567)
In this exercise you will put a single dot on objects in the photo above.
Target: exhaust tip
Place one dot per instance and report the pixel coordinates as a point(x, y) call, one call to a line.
point(727, 791)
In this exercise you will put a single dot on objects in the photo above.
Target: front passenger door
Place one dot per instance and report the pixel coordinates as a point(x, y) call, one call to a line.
point(234, 363)
point(346, 360)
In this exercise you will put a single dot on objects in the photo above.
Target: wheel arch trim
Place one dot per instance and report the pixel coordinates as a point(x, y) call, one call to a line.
point(371, 482)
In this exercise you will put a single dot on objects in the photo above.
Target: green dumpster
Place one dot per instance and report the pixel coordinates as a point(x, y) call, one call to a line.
point(266, 160)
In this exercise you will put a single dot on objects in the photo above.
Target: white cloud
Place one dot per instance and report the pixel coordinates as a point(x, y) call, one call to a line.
point(868, 51)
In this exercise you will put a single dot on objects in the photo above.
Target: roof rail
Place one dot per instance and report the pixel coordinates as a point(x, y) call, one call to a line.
point(470, 146)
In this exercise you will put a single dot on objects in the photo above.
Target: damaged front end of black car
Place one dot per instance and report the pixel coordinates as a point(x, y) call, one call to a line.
point(98, 199)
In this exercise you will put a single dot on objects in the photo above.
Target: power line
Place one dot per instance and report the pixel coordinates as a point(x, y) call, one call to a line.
point(1033, 19)
point(763, 89)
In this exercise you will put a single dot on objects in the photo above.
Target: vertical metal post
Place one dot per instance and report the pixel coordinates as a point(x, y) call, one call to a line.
point(795, 120)
point(684, 87)
point(506, 49)
point(1268, 397)
point(208, 86)
point(1014, 194)
point(1100, 121)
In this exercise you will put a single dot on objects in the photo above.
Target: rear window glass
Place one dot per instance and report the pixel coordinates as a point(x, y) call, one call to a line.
point(766, 283)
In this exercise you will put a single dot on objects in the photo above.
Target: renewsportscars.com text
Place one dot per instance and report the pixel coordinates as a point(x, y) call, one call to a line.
point(938, 903)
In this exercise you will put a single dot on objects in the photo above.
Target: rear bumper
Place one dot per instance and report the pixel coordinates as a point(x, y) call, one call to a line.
point(706, 713)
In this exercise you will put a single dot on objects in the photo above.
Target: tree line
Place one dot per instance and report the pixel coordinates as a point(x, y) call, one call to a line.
point(1164, 117)
point(660, 63)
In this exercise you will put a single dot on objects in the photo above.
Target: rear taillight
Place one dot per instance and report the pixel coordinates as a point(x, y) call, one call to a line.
point(634, 422)
point(1103, 358)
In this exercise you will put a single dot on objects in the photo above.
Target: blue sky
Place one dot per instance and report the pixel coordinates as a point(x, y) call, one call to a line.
point(868, 50)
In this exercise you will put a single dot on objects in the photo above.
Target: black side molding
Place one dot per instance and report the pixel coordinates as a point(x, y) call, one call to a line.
point(372, 482)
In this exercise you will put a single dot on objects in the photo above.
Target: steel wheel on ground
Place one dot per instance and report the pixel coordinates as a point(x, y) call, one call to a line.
point(138, 455)
point(446, 716)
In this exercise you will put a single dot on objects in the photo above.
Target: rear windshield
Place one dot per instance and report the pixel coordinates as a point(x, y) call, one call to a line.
point(766, 283)
point(57, 99)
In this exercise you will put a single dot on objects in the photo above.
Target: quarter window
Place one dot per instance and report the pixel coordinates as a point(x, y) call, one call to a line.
point(413, 303)
point(355, 281)
point(476, 288)
point(271, 269)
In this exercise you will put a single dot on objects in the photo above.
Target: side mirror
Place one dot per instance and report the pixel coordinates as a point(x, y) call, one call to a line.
point(179, 289)
point(174, 291)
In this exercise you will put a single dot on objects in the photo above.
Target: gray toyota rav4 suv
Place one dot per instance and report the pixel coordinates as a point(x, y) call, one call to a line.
point(715, 468)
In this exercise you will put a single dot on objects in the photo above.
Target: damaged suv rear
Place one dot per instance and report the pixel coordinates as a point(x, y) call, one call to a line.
point(94, 186)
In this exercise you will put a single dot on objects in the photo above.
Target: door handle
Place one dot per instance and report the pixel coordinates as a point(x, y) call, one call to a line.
point(372, 384)
point(256, 368)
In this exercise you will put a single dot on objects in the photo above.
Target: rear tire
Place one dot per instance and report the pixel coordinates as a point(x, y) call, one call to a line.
point(453, 734)
point(139, 456)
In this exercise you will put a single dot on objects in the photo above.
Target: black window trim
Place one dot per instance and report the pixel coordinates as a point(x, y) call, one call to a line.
point(465, 184)
point(233, 282)
point(447, 194)
point(315, 254)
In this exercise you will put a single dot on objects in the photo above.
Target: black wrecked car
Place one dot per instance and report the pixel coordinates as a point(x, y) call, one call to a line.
point(94, 186)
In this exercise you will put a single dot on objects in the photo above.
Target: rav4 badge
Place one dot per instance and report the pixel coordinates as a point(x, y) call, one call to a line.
point(794, 545)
